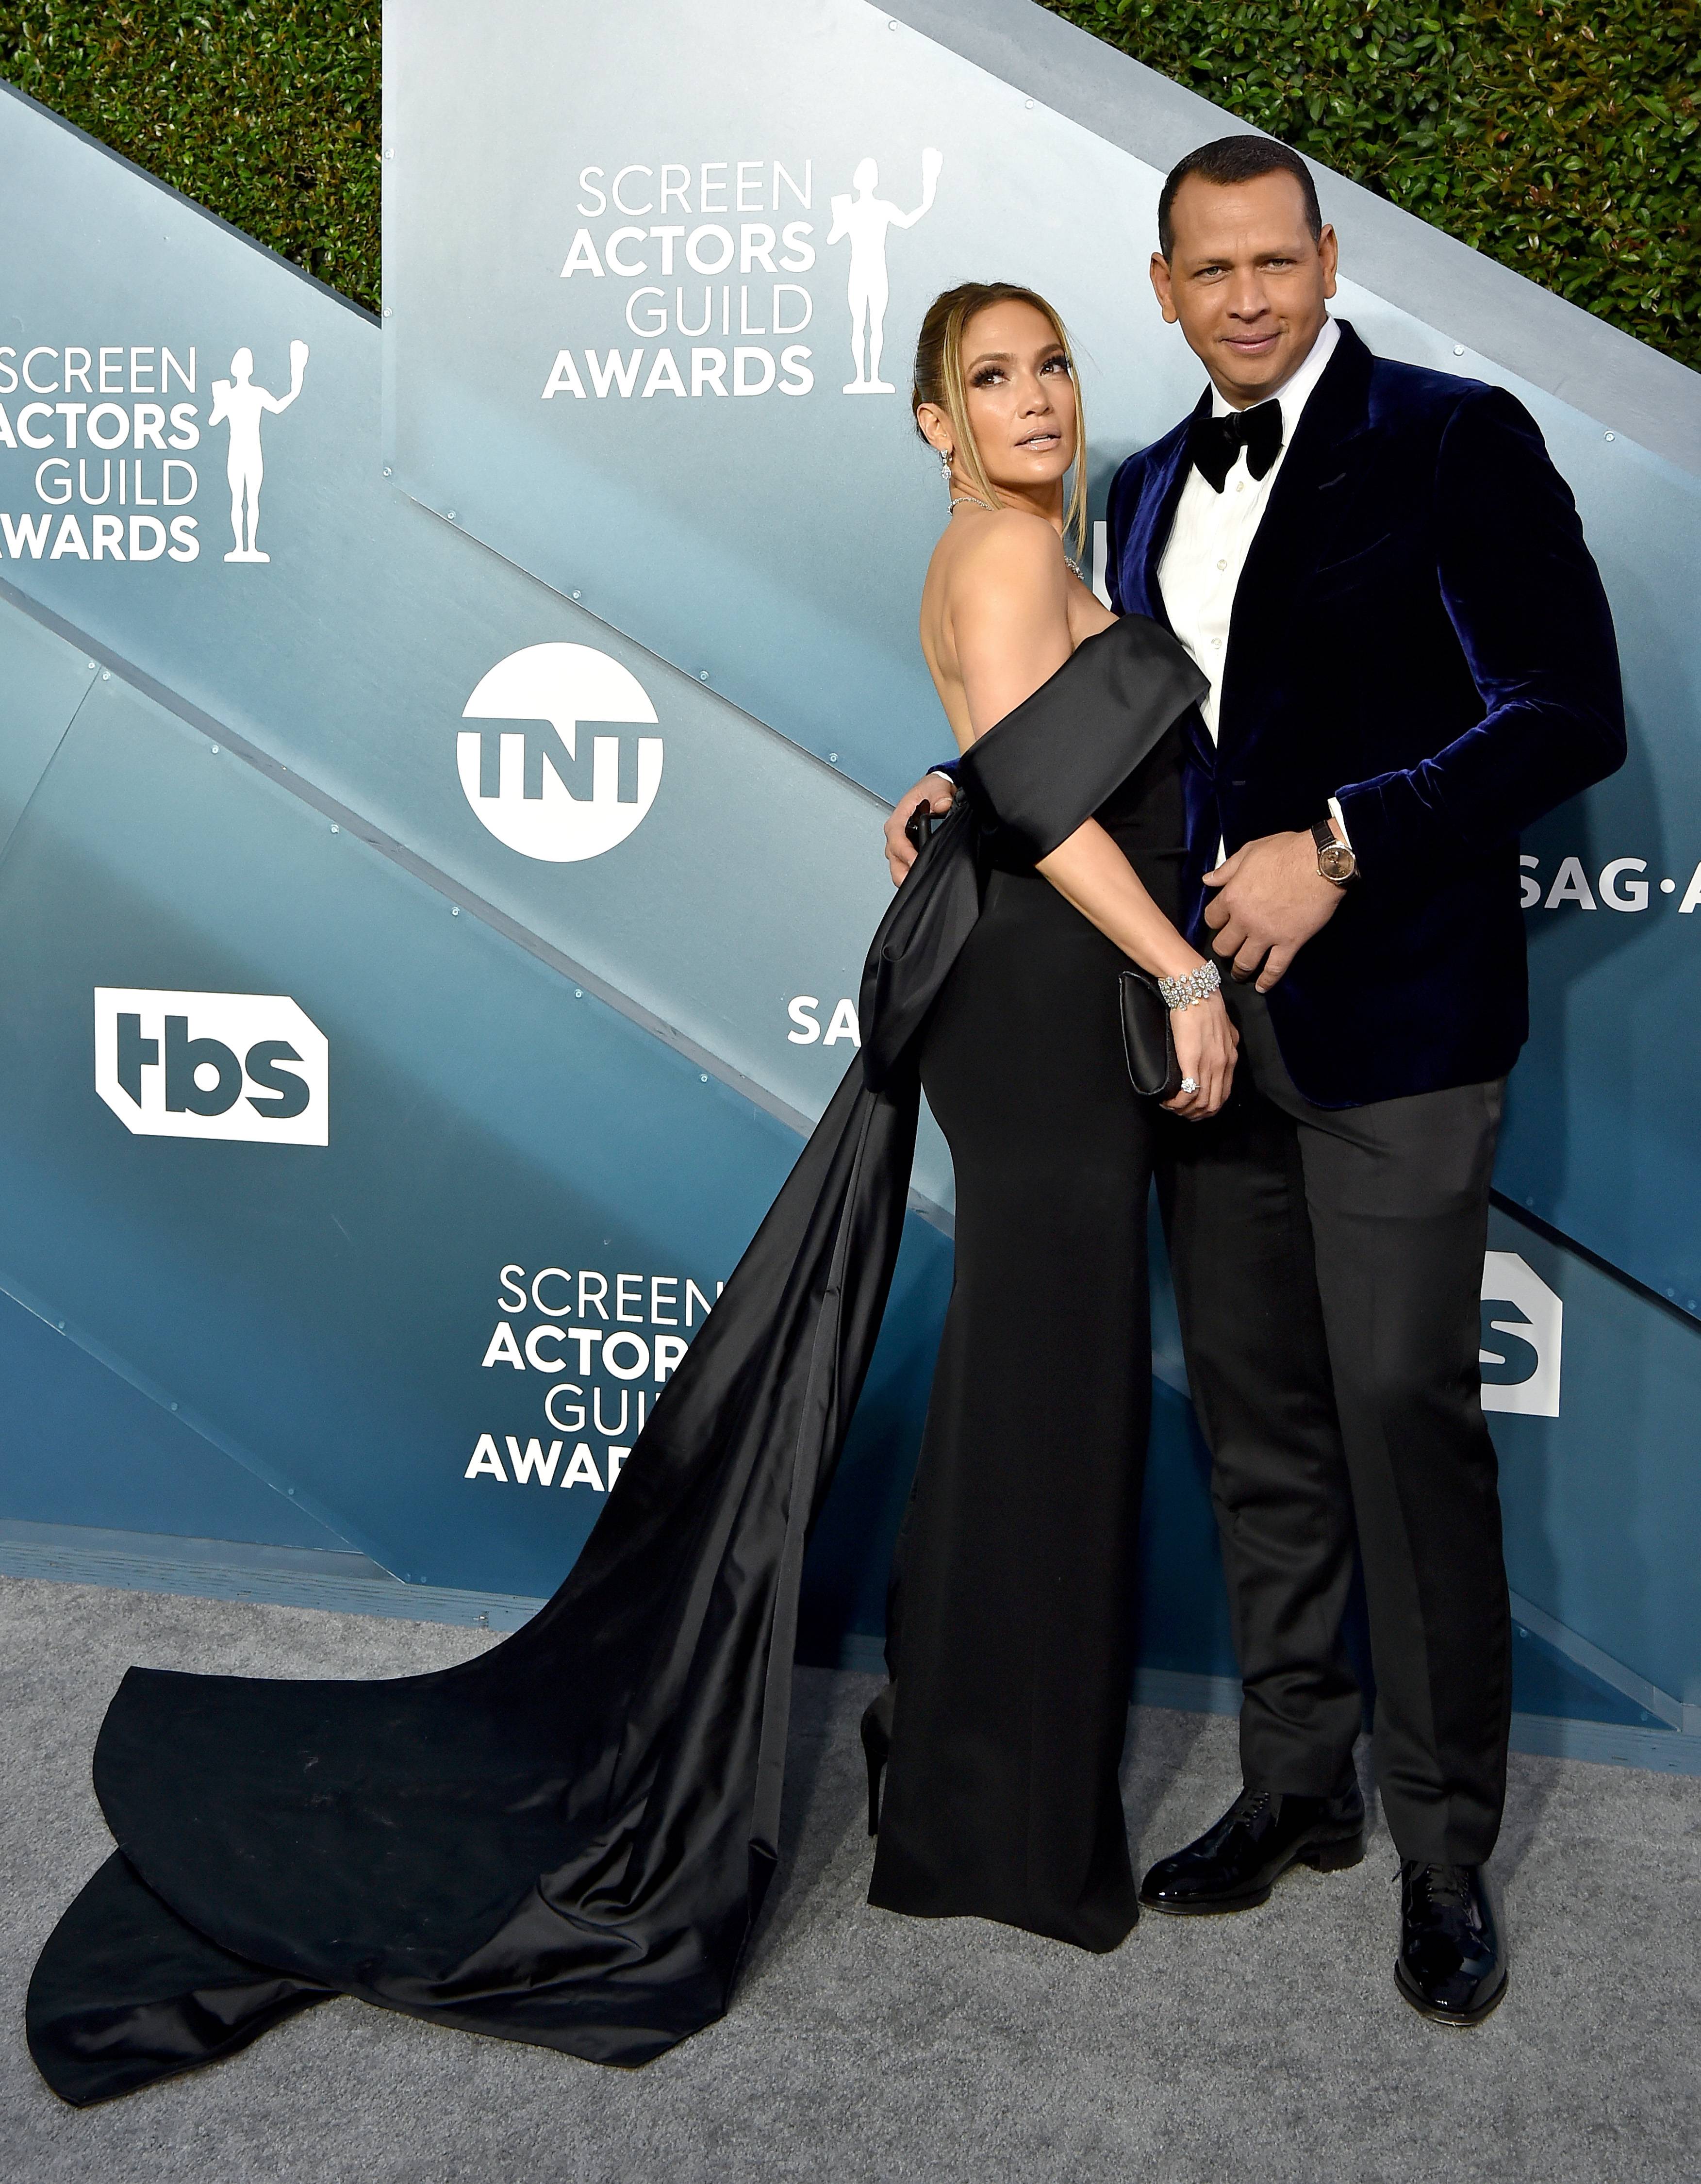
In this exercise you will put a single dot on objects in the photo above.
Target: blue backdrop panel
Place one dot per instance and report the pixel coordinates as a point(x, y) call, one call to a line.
point(81, 1445)
point(350, 656)
point(1604, 1502)
point(42, 681)
point(324, 1313)
point(562, 182)
point(559, 1088)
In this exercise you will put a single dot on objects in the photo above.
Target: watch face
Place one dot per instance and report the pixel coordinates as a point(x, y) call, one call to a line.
point(1336, 863)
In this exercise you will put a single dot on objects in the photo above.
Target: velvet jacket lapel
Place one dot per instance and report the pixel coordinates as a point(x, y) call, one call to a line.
point(1156, 513)
point(1313, 493)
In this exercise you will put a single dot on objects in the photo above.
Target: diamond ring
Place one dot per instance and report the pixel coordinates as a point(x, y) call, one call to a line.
point(1189, 1084)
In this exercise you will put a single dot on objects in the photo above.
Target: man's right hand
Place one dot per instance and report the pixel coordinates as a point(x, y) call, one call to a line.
point(932, 790)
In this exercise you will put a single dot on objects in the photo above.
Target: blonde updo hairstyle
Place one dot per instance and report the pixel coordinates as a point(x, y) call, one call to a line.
point(939, 379)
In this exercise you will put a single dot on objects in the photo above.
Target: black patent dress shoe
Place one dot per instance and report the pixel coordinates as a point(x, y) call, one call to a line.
point(1450, 1967)
point(1235, 1864)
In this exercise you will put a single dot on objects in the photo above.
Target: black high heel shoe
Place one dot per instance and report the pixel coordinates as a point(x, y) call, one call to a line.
point(877, 1745)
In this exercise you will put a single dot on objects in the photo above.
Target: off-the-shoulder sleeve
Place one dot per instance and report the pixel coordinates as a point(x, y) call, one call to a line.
point(1048, 766)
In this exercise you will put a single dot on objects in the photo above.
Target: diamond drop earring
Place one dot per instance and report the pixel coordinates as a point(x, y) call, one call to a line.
point(944, 465)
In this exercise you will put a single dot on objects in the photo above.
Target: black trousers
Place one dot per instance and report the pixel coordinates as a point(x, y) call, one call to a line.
point(1328, 1270)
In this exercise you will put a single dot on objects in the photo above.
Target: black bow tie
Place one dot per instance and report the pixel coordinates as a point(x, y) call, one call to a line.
point(1214, 443)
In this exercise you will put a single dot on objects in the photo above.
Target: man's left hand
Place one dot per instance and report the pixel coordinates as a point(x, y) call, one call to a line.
point(1270, 899)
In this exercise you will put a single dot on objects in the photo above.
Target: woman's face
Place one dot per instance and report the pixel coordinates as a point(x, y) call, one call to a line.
point(1021, 397)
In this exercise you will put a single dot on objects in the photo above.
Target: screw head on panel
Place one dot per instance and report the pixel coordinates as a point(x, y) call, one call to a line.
point(1612, 436)
point(1459, 349)
point(335, 828)
point(702, 674)
point(576, 595)
point(216, 750)
point(106, 674)
point(455, 910)
point(387, 470)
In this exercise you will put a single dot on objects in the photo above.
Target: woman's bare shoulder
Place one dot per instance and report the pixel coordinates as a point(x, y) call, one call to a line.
point(1004, 549)
point(1010, 534)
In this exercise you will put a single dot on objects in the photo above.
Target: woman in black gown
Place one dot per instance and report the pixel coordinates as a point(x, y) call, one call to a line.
point(1012, 1618)
point(567, 1841)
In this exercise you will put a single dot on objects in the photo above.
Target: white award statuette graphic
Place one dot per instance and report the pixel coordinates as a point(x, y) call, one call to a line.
point(865, 219)
point(528, 799)
point(1525, 1320)
point(253, 1067)
point(239, 404)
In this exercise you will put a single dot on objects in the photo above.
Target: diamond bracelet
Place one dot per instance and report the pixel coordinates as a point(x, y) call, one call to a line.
point(1193, 986)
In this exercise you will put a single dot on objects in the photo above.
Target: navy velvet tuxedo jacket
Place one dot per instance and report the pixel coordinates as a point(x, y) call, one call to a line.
point(1419, 630)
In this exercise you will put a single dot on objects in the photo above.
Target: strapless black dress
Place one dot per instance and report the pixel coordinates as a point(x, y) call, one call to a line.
point(1013, 1607)
point(567, 1841)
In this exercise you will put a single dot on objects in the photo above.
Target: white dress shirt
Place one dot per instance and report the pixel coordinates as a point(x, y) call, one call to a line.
point(1213, 533)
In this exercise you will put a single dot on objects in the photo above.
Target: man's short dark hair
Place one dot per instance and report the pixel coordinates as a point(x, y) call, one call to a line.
point(1233, 159)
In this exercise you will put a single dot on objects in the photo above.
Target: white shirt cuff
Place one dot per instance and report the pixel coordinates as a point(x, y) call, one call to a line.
point(1337, 816)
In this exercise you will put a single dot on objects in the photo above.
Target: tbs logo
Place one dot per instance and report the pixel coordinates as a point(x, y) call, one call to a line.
point(248, 1065)
point(1523, 1332)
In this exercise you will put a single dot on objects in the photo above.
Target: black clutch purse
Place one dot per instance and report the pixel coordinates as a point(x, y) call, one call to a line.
point(1147, 1039)
point(919, 827)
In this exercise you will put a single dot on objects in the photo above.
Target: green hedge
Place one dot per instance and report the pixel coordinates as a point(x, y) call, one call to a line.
point(1562, 140)
point(268, 113)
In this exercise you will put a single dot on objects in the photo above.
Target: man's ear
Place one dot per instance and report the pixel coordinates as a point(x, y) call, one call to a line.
point(1161, 288)
point(1329, 250)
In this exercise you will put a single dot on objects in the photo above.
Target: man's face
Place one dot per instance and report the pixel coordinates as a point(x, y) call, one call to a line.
point(1246, 281)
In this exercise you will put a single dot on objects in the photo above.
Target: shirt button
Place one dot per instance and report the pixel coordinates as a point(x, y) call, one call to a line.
point(1216, 644)
point(1222, 564)
point(1240, 485)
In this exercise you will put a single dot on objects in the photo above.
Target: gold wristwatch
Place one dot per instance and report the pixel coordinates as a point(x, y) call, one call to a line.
point(1336, 862)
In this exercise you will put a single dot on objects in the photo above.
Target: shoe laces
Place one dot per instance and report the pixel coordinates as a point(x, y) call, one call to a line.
point(1446, 1886)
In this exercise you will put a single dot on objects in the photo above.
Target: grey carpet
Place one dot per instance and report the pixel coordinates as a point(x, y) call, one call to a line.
point(1266, 2048)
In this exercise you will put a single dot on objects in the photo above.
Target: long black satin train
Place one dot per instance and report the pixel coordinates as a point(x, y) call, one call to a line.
point(567, 1841)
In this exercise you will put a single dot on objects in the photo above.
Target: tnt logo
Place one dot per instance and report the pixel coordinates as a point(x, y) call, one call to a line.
point(248, 1065)
point(541, 784)
point(1523, 1321)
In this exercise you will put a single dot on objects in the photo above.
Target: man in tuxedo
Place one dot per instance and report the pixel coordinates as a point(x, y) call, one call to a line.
point(1411, 658)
